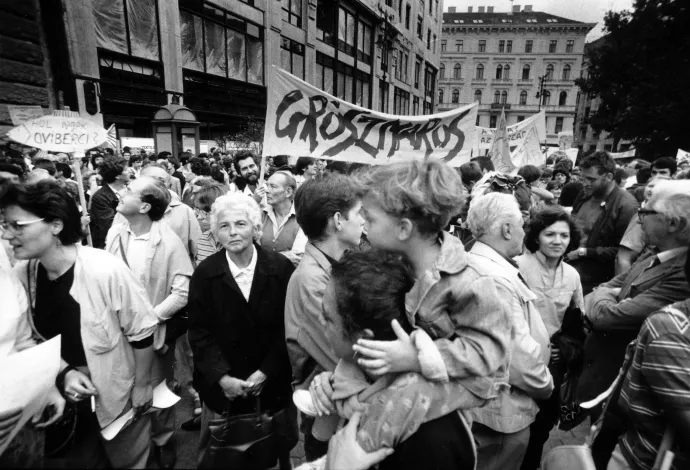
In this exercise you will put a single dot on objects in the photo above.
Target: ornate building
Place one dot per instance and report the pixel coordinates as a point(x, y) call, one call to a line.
point(522, 61)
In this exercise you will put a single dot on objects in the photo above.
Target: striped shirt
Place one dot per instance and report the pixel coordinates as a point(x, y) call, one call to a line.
point(657, 383)
point(206, 246)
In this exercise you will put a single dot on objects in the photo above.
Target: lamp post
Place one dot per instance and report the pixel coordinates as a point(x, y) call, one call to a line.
point(540, 93)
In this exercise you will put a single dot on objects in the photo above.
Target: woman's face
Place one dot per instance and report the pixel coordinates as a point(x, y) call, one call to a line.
point(235, 231)
point(560, 177)
point(554, 239)
point(202, 216)
point(30, 240)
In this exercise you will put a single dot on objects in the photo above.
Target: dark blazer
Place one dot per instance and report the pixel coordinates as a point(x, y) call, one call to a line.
point(103, 205)
point(229, 335)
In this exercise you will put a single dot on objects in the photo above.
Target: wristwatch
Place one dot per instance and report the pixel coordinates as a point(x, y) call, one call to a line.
point(582, 251)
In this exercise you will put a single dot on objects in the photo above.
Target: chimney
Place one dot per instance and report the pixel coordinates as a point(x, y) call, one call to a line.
point(480, 9)
point(452, 9)
point(469, 9)
point(489, 9)
point(528, 8)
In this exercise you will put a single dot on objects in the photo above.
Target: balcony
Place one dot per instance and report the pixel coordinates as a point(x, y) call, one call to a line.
point(526, 81)
point(479, 81)
point(500, 105)
point(504, 81)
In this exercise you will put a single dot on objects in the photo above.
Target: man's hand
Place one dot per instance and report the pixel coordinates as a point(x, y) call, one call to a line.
point(78, 386)
point(321, 392)
point(233, 388)
point(57, 403)
point(260, 193)
point(572, 256)
point(344, 453)
point(383, 357)
point(257, 379)
point(142, 398)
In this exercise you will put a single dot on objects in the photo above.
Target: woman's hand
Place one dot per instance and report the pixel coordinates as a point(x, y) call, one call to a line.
point(78, 386)
point(345, 453)
point(257, 379)
point(8, 420)
point(321, 393)
point(142, 398)
point(233, 388)
point(57, 404)
point(383, 357)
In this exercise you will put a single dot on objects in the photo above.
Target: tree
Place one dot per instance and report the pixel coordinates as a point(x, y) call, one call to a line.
point(251, 137)
point(640, 73)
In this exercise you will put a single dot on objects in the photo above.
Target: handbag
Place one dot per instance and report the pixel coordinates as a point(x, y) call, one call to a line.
point(246, 441)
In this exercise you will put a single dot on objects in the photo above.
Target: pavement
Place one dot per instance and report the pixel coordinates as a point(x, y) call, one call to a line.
point(187, 442)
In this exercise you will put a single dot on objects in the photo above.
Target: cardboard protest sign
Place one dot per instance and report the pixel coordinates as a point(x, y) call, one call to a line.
point(302, 120)
point(500, 150)
point(21, 114)
point(59, 133)
point(516, 133)
point(629, 154)
point(682, 156)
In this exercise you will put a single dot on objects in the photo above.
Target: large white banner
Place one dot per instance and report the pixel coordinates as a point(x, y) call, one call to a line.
point(516, 133)
point(302, 120)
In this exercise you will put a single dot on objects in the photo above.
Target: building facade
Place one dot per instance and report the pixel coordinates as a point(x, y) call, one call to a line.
point(120, 60)
point(520, 61)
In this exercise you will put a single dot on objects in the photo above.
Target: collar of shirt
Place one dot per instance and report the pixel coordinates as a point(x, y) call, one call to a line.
point(117, 193)
point(272, 215)
point(249, 270)
point(143, 236)
point(670, 254)
point(482, 249)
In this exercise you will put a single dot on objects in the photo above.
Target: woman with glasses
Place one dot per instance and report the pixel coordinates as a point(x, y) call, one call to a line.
point(203, 200)
point(92, 299)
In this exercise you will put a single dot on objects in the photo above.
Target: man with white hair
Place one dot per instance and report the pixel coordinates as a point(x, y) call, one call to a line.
point(617, 309)
point(281, 232)
point(501, 428)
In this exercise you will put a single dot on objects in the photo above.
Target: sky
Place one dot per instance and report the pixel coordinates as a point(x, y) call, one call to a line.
point(587, 11)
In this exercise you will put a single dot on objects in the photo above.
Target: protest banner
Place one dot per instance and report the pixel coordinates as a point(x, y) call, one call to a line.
point(528, 151)
point(617, 156)
point(682, 156)
point(302, 120)
point(565, 140)
point(21, 114)
point(500, 150)
point(516, 133)
point(61, 132)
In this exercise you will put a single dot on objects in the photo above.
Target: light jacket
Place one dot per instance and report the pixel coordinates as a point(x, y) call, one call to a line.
point(530, 379)
point(114, 310)
point(166, 258)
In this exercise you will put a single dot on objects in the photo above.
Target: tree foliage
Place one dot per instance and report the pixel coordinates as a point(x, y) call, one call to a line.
point(251, 137)
point(641, 73)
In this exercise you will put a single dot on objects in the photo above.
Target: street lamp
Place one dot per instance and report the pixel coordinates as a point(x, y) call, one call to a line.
point(540, 93)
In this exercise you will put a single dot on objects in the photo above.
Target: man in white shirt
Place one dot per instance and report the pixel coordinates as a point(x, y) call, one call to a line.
point(281, 232)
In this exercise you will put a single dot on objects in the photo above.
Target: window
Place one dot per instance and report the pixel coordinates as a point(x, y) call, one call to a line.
point(136, 34)
point(478, 96)
point(427, 107)
point(346, 32)
point(457, 71)
point(408, 13)
point(559, 125)
point(552, 46)
point(521, 118)
point(458, 45)
point(326, 21)
point(400, 4)
point(456, 96)
point(402, 66)
point(401, 102)
point(420, 28)
point(492, 121)
point(549, 72)
point(525, 72)
point(428, 39)
point(523, 97)
point(443, 45)
point(429, 81)
point(292, 56)
point(569, 45)
point(566, 72)
point(383, 96)
point(562, 98)
point(506, 72)
point(292, 12)
point(501, 46)
point(417, 72)
point(504, 97)
point(415, 106)
point(480, 71)
point(509, 46)
point(433, 50)
point(528, 46)
point(325, 73)
point(431, 7)
point(440, 96)
point(546, 98)
point(478, 120)
point(497, 97)
point(499, 72)
point(442, 72)
point(482, 45)
point(218, 43)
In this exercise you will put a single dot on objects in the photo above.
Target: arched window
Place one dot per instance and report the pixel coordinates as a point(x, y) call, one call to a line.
point(442, 72)
point(497, 97)
point(478, 96)
point(504, 97)
point(480, 71)
point(457, 71)
point(523, 97)
point(440, 96)
point(549, 72)
point(506, 72)
point(499, 72)
point(525, 72)
point(566, 72)
point(546, 98)
point(562, 98)
point(456, 96)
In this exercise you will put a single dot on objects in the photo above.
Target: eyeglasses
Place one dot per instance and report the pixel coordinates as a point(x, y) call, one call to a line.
point(641, 213)
point(17, 227)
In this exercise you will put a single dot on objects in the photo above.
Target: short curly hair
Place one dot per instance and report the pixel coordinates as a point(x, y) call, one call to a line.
point(243, 155)
point(602, 161)
point(111, 168)
point(370, 288)
point(428, 192)
point(237, 201)
point(546, 217)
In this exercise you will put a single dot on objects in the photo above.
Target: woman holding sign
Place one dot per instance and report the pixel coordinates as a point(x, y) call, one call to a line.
point(93, 301)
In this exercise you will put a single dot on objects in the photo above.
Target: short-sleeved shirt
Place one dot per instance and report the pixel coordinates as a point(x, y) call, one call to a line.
point(657, 383)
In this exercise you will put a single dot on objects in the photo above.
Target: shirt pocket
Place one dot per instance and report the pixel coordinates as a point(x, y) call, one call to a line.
point(97, 333)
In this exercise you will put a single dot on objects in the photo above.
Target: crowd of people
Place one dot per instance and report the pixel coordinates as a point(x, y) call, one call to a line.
point(409, 315)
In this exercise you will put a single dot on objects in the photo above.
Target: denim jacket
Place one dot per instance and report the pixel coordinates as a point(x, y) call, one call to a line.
point(114, 310)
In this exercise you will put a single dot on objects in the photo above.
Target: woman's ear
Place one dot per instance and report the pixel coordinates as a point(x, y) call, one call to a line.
point(58, 225)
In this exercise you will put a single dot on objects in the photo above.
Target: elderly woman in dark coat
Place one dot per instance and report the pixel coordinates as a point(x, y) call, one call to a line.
point(236, 326)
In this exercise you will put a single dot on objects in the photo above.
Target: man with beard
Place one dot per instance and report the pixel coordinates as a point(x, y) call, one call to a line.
point(602, 212)
point(246, 167)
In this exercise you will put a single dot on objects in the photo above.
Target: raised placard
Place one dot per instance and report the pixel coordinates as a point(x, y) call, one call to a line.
point(59, 134)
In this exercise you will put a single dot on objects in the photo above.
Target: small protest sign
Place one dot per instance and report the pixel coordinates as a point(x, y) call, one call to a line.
point(59, 133)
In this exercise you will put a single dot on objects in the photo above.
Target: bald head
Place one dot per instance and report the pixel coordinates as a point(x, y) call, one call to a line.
point(158, 173)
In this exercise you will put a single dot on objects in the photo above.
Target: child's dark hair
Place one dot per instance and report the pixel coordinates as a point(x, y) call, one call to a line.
point(370, 288)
